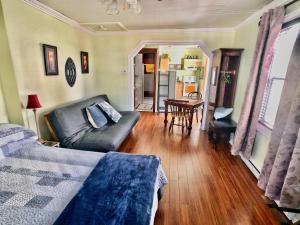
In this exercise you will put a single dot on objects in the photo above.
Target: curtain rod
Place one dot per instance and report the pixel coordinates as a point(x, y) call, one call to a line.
point(290, 3)
point(285, 6)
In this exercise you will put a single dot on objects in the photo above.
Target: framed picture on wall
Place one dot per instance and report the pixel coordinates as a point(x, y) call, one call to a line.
point(50, 59)
point(84, 62)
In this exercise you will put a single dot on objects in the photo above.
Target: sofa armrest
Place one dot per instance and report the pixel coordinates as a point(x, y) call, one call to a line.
point(52, 133)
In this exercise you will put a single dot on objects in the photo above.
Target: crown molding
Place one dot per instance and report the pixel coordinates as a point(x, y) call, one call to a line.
point(121, 26)
point(51, 12)
point(156, 31)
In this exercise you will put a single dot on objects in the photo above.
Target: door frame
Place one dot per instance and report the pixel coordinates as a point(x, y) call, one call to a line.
point(152, 51)
point(143, 43)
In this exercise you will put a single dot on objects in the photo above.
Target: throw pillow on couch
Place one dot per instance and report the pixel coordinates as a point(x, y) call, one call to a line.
point(113, 114)
point(95, 116)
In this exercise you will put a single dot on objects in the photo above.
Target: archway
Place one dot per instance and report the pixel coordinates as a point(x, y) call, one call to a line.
point(143, 43)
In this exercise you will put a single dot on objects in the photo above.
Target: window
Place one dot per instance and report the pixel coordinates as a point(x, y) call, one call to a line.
point(282, 53)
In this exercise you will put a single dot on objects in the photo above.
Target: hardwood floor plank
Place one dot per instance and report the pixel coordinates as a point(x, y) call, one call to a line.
point(206, 186)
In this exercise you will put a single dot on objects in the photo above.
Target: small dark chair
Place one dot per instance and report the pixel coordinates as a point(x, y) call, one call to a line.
point(195, 95)
point(221, 129)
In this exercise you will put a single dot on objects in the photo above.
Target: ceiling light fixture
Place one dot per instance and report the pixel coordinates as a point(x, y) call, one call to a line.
point(113, 6)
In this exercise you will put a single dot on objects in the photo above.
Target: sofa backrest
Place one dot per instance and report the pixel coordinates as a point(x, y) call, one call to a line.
point(70, 120)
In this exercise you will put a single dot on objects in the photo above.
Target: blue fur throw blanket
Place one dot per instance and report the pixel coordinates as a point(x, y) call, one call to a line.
point(119, 191)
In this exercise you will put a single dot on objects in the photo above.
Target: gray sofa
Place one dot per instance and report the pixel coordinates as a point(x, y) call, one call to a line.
point(72, 129)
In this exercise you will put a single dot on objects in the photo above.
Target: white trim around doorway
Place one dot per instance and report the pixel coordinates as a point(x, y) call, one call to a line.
point(143, 43)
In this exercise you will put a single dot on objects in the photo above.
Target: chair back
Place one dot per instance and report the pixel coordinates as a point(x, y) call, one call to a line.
point(195, 95)
point(178, 108)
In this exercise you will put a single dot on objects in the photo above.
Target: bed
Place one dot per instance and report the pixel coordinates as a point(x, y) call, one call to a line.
point(43, 185)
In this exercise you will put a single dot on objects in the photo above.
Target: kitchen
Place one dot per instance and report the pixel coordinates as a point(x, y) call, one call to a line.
point(184, 67)
point(179, 70)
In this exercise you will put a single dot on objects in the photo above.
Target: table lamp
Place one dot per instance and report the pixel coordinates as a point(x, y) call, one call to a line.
point(34, 103)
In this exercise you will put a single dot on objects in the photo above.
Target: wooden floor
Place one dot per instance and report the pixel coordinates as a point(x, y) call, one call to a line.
point(205, 187)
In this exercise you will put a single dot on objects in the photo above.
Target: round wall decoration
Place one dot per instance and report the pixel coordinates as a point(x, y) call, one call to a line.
point(70, 71)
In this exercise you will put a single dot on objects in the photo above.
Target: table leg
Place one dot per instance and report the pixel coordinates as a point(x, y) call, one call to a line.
point(166, 114)
point(191, 116)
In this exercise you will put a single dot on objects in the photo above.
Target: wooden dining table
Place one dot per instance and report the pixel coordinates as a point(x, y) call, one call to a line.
point(191, 104)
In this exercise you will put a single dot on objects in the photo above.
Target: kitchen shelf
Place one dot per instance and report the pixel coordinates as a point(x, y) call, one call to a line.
point(163, 89)
point(189, 64)
point(192, 69)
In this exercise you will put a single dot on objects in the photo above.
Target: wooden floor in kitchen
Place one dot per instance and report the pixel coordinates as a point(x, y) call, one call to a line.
point(206, 186)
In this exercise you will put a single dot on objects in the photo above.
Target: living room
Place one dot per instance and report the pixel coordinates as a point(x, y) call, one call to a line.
point(206, 185)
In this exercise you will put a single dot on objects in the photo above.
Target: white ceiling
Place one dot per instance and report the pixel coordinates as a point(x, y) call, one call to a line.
point(165, 14)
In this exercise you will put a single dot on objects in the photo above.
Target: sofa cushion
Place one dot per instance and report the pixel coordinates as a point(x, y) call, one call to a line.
point(113, 114)
point(110, 137)
point(95, 116)
point(70, 122)
point(221, 112)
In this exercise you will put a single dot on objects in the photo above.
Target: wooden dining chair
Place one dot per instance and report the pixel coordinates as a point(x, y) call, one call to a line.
point(179, 111)
point(195, 95)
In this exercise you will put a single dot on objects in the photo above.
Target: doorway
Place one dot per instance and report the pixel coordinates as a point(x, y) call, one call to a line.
point(145, 70)
point(181, 71)
point(148, 43)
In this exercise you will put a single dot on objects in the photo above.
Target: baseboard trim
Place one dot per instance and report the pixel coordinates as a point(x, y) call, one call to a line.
point(250, 166)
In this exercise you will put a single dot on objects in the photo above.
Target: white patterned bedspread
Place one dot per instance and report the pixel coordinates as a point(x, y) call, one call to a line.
point(37, 182)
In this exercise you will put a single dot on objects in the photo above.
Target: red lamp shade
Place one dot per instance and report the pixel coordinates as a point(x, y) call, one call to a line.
point(33, 102)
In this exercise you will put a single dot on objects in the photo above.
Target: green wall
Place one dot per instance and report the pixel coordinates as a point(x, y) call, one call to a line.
point(10, 101)
point(3, 112)
point(27, 29)
point(112, 57)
